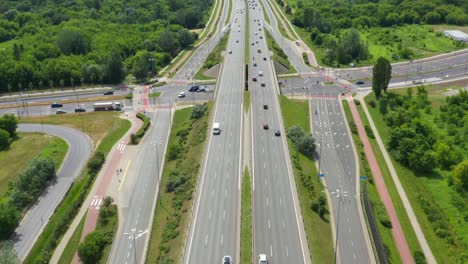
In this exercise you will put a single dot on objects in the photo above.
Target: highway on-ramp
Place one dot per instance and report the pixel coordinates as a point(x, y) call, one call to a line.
point(215, 226)
point(79, 150)
point(278, 229)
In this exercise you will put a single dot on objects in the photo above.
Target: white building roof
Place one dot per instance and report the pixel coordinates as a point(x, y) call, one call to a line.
point(457, 35)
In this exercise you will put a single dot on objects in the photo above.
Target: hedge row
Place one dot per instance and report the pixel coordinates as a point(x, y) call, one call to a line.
point(135, 138)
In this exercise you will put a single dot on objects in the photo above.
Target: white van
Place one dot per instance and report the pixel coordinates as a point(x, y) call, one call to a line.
point(216, 129)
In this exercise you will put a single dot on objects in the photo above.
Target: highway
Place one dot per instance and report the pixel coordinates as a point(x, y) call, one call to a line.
point(277, 227)
point(190, 68)
point(214, 230)
point(140, 187)
point(34, 221)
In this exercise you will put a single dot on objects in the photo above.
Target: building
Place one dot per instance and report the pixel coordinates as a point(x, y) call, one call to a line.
point(456, 35)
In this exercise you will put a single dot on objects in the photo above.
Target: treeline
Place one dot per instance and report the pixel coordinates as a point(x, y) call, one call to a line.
point(8, 125)
point(67, 43)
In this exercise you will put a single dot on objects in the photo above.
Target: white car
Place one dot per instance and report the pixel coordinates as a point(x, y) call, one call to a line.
point(227, 260)
point(262, 259)
point(260, 73)
point(181, 95)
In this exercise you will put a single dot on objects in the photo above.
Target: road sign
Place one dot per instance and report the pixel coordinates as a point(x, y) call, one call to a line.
point(363, 178)
point(321, 175)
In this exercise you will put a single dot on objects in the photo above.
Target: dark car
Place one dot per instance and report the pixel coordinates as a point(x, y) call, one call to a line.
point(263, 84)
point(359, 82)
point(264, 58)
point(109, 93)
point(59, 112)
point(254, 79)
point(265, 106)
point(194, 88)
point(255, 64)
point(265, 126)
point(78, 110)
point(201, 90)
point(277, 133)
point(55, 105)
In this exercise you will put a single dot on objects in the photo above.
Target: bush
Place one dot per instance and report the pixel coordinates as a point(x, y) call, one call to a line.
point(9, 217)
point(369, 131)
point(419, 257)
point(174, 151)
point(305, 58)
point(353, 127)
point(305, 144)
point(198, 111)
point(129, 96)
point(9, 123)
point(319, 205)
point(90, 250)
point(96, 161)
point(135, 138)
point(4, 140)
point(372, 103)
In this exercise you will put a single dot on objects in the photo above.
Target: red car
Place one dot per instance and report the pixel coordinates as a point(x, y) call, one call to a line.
point(254, 79)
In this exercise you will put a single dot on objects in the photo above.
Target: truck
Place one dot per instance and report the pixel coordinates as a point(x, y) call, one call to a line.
point(107, 106)
point(216, 129)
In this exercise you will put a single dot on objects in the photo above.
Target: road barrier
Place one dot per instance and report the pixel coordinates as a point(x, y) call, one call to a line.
point(378, 244)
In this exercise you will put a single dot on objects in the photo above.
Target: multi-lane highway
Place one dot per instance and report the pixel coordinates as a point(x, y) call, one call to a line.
point(215, 225)
point(38, 215)
point(277, 227)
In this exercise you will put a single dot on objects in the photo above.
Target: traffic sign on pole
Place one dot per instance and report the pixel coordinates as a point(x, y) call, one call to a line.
point(363, 178)
point(321, 175)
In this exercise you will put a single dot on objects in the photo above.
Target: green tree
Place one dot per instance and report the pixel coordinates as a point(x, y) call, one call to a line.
point(4, 140)
point(72, 42)
point(185, 37)
point(460, 176)
point(114, 69)
point(16, 52)
point(8, 253)
point(319, 205)
point(9, 123)
point(168, 42)
point(381, 75)
point(9, 217)
point(90, 250)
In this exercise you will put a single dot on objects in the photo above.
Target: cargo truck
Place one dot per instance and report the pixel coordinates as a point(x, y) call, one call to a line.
point(107, 106)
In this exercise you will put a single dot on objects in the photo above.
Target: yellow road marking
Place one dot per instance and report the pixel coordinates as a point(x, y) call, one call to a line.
point(125, 175)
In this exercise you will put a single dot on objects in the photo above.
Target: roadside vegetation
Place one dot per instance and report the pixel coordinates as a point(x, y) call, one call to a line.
point(97, 245)
point(393, 31)
point(425, 133)
point(178, 182)
point(278, 54)
point(62, 43)
point(228, 19)
point(310, 190)
point(265, 14)
point(72, 245)
point(276, 13)
point(246, 220)
point(383, 221)
point(136, 137)
point(246, 101)
point(154, 95)
point(103, 127)
point(214, 58)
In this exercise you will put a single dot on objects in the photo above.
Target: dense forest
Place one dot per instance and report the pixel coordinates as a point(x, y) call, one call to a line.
point(334, 25)
point(57, 43)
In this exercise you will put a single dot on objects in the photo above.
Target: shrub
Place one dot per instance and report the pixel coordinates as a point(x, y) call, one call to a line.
point(9, 123)
point(304, 143)
point(305, 58)
point(129, 96)
point(369, 131)
point(91, 249)
point(353, 127)
point(319, 205)
point(135, 138)
point(372, 103)
point(9, 217)
point(4, 140)
point(198, 111)
point(174, 151)
point(96, 161)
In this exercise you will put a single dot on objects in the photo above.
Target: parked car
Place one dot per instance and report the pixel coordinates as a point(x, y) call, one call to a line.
point(79, 110)
point(59, 112)
point(109, 93)
point(55, 105)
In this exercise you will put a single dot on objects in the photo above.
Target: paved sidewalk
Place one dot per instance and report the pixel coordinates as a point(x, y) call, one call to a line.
point(401, 192)
point(397, 231)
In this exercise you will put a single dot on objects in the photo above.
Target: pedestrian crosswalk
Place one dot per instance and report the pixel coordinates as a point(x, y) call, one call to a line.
point(96, 202)
point(121, 146)
point(323, 97)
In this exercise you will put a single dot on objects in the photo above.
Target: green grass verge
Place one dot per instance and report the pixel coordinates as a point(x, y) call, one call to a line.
point(318, 229)
point(109, 227)
point(246, 101)
point(246, 39)
point(364, 169)
point(265, 14)
point(214, 58)
point(183, 162)
point(229, 13)
point(246, 220)
point(67, 209)
point(431, 188)
point(277, 14)
point(72, 245)
point(154, 95)
point(22, 151)
point(278, 54)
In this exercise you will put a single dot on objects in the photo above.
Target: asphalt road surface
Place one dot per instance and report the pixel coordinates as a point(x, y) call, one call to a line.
point(139, 192)
point(37, 217)
point(278, 232)
point(215, 225)
point(190, 68)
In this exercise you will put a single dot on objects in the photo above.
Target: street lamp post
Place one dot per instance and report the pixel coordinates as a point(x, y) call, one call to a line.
point(340, 195)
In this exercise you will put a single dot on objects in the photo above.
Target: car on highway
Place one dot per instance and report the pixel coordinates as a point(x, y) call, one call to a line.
point(359, 82)
point(237, 41)
point(216, 129)
point(263, 84)
point(265, 126)
point(255, 64)
point(265, 106)
point(202, 89)
point(261, 37)
point(262, 259)
point(254, 79)
point(260, 73)
point(181, 95)
point(264, 58)
point(277, 133)
point(55, 105)
point(230, 51)
point(109, 93)
point(227, 260)
point(79, 110)
point(59, 112)
point(194, 88)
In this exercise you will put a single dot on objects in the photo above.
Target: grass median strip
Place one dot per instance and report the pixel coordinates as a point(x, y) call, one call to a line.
point(278, 54)
point(73, 243)
point(214, 58)
point(309, 189)
point(246, 101)
point(246, 220)
point(178, 182)
point(108, 131)
point(265, 14)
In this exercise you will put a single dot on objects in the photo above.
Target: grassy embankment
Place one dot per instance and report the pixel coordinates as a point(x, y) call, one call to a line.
point(105, 128)
point(318, 229)
point(432, 188)
point(22, 151)
point(265, 14)
point(214, 58)
point(65, 101)
point(246, 220)
point(228, 19)
point(378, 208)
point(73, 243)
point(178, 182)
point(277, 14)
point(278, 54)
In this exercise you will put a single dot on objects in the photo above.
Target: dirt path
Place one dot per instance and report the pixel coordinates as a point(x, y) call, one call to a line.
point(397, 231)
